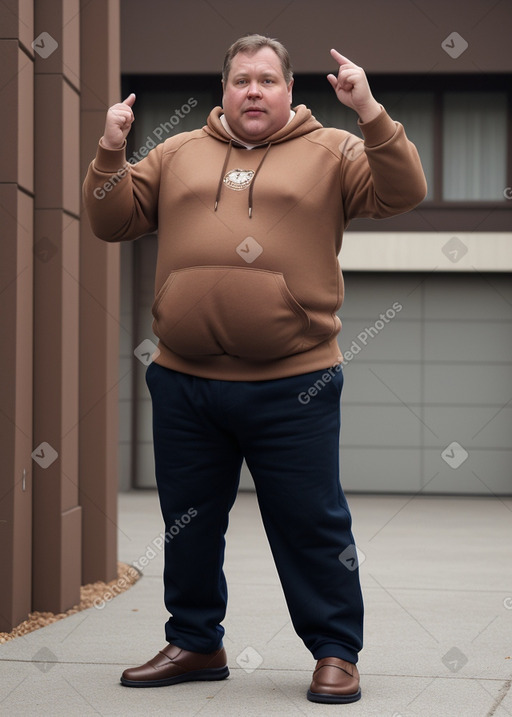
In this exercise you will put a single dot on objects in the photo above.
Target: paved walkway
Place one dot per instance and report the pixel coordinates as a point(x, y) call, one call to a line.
point(437, 579)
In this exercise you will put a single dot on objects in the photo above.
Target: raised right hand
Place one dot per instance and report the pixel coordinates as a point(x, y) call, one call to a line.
point(118, 123)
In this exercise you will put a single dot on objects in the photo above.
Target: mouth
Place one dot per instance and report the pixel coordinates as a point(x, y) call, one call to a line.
point(254, 111)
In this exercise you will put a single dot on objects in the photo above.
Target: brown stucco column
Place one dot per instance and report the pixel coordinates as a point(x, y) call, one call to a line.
point(57, 514)
point(16, 260)
point(99, 306)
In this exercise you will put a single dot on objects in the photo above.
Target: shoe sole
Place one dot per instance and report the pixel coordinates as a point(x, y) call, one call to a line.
point(326, 698)
point(217, 673)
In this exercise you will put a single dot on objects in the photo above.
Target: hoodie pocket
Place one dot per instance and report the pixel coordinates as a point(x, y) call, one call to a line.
point(244, 312)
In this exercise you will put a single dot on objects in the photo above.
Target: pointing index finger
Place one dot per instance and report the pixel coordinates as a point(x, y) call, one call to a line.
point(130, 99)
point(340, 59)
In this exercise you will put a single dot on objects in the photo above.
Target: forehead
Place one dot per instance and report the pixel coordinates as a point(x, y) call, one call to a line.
point(263, 60)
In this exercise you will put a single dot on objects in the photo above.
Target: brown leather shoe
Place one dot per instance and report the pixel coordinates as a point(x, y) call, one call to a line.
point(173, 665)
point(335, 681)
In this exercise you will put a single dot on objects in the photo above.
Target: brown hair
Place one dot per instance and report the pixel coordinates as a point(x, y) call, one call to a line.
point(251, 44)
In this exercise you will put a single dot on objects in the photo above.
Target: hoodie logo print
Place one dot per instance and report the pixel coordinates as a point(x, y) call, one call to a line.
point(238, 179)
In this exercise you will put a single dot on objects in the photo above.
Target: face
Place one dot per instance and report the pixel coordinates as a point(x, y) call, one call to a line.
point(256, 98)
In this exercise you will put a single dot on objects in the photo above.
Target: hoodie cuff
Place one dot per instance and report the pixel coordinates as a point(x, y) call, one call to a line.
point(109, 160)
point(378, 130)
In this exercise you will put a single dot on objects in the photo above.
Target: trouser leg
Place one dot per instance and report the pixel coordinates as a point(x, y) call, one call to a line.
point(197, 466)
point(292, 451)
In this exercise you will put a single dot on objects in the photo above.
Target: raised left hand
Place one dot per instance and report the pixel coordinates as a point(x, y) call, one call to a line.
point(352, 88)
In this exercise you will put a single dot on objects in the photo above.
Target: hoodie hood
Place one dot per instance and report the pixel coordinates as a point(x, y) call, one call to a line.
point(302, 123)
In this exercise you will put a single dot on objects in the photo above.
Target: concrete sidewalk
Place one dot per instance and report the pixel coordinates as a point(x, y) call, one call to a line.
point(437, 580)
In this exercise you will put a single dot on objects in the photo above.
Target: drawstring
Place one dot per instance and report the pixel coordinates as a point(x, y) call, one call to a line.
point(219, 187)
point(254, 179)
point(221, 179)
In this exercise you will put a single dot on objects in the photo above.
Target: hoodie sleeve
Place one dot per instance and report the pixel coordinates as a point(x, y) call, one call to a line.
point(121, 199)
point(387, 177)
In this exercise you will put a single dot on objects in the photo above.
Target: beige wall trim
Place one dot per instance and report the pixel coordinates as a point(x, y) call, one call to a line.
point(426, 251)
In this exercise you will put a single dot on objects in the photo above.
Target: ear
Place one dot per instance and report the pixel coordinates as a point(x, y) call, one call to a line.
point(290, 90)
point(223, 90)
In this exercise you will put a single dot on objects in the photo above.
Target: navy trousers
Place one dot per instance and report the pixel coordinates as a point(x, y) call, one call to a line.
point(202, 430)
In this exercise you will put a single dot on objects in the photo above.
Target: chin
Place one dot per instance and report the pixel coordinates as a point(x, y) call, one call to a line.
point(251, 137)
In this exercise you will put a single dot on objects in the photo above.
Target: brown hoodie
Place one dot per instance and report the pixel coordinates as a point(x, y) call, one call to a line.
point(247, 280)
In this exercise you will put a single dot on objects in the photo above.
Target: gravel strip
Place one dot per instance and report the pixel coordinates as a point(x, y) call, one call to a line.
point(127, 575)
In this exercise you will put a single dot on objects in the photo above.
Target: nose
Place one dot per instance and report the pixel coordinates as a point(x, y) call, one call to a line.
point(254, 89)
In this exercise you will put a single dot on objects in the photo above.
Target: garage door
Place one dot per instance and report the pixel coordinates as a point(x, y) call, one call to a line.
point(427, 400)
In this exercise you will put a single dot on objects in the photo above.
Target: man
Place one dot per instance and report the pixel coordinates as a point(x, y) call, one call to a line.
point(250, 212)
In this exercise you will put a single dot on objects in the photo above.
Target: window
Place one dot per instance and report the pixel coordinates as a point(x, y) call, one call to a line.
point(474, 146)
point(415, 110)
point(167, 105)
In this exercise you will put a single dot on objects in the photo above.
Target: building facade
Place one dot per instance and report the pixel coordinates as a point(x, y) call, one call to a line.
point(60, 306)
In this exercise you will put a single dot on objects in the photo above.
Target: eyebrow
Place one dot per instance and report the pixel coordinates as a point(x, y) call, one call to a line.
point(266, 73)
